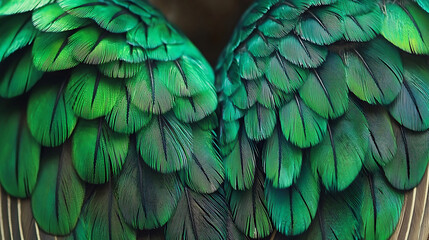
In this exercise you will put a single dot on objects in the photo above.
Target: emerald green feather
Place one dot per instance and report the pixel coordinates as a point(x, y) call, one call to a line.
point(52, 52)
point(246, 95)
point(424, 4)
point(230, 111)
point(337, 216)
point(356, 7)
point(293, 209)
point(58, 197)
point(159, 31)
point(300, 125)
point(232, 231)
point(248, 208)
point(325, 91)
point(260, 122)
point(10, 7)
point(276, 28)
point(249, 66)
point(195, 108)
point(374, 72)
point(228, 131)
point(125, 117)
point(19, 153)
point(92, 45)
point(361, 28)
point(19, 74)
point(321, 26)
point(120, 69)
point(408, 166)
point(240, 163)
point(209, 123)
point(382, 139)
point(381, 207)
point(301, 52)
point(102, 217)
point(338, 158)
point(198, 216)
point(109, 16)
point(259, 46)
point(270, 96)
point(17, 32)
point(91, 94)
point(148, 93)
point(147, 199)
point(284, 75)
point(205, 173)
point(98, 152)
point(185, 77)
point(411, 107)
point(52, 18)
point(407, 27)
point(165, 144)
point(50, 119)
point(169, 52)
point(281, 160)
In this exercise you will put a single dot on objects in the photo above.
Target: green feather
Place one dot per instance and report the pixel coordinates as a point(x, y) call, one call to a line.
point(50, 119)
point(52, 52)
point(270, 96)
point(338, 158)
point(102, 217)
point(198, 216)
point(120, 69)
point(185, 77)
point(51, 18)
point(232, 231)
point(321, 26)
point(361, 28)
point(10, 7)
point(248, 208)
point(240, 163)
point(159, 31)
point(281, 160)
point(424, 4)
point(195, 108)
point(249, 66)
point(301, 52)
point(381, 207)
point(16, 32)
point(58, 197)
point(356, 7)
point(165, 143)
point(284, 75)
point(98, 152)
point(260, 122)
point(374, 72)
point(228, 131)
point(259, 46)
point(205, 173)
point(91, 94)
point(325, 91)
point(407, 27)
point(337, 216)
point(411, 107)
point(300, 124)
point(276, 28)
point(230, 111)
point(146, 198)
point(19, 74)
point(125, 117)
point(148, 93)
point(293, 209)
point(109, 16)
point(19, 152)
point(92, 45)
point(211, 122)
point(382, 139)
point(408, 166)
point(246, 94)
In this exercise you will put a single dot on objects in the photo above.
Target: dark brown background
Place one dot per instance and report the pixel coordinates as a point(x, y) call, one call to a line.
point(208, 23)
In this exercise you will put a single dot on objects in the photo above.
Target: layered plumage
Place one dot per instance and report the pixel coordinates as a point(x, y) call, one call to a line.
point(107, 125)
point(324, 116)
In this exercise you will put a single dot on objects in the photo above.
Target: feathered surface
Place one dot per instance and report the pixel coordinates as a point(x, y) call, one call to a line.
point(107, 125)
point(324, 118)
